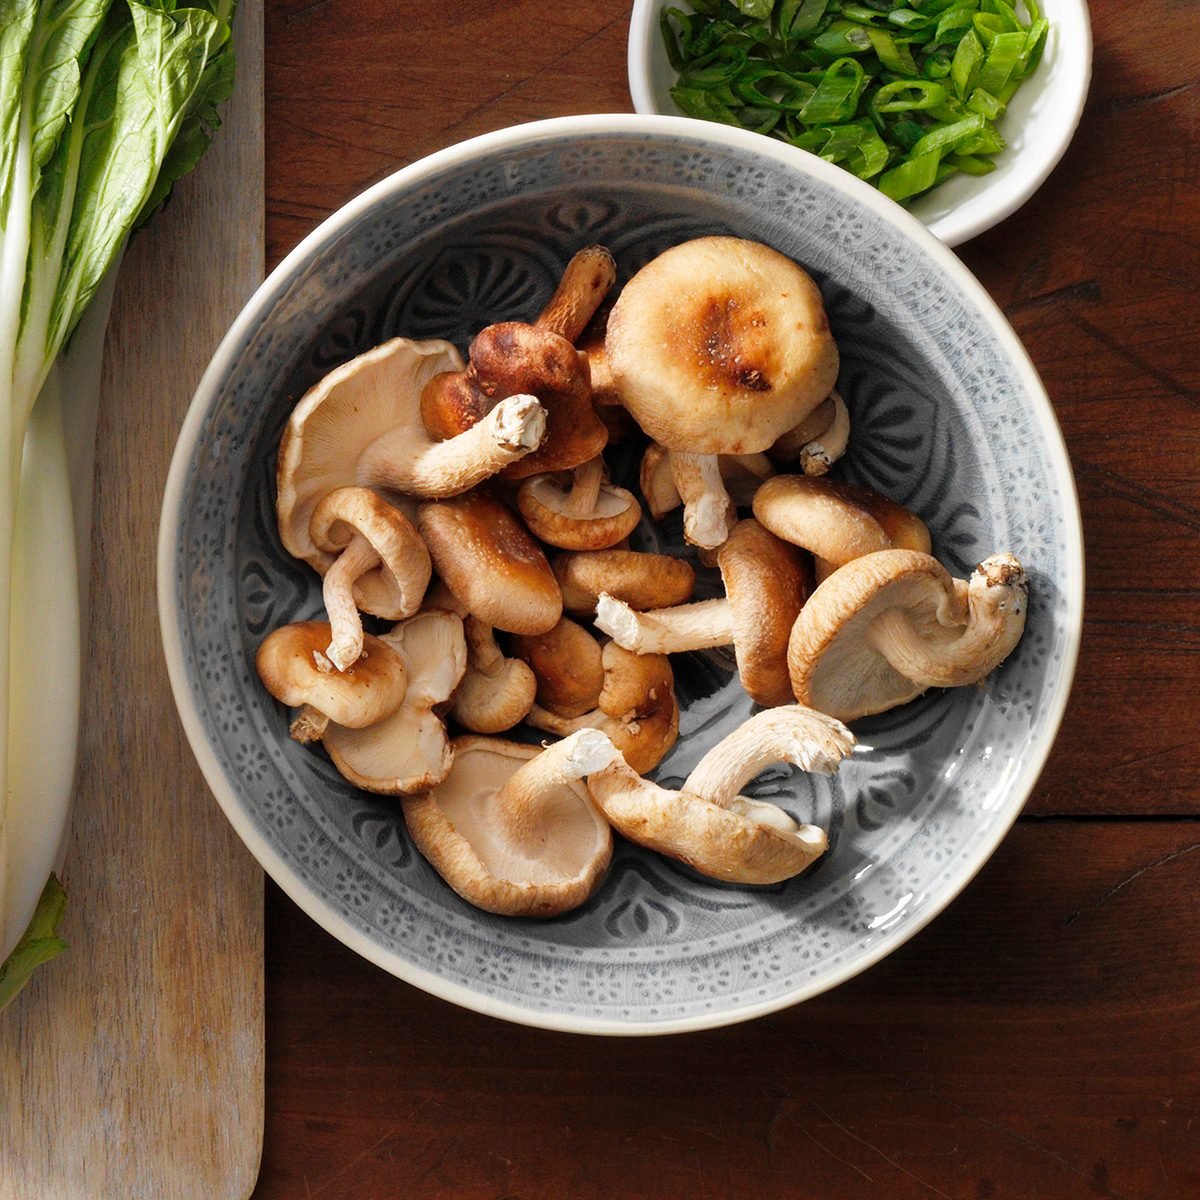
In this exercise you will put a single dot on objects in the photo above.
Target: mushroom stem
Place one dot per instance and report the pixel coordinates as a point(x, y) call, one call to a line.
point(585, 489)
point(419, 466)
point(790, 733)
point(309, 725)
point(820, 439)
point(706, 504)
point(520, 801)
point(788, 445)
point(965, 640)
point(757, 465)
point(543, 719)
point(337, 590)
point(698, 626)
point(584, 283)
point(822, 451)
point(484, 655)
point(636, 708)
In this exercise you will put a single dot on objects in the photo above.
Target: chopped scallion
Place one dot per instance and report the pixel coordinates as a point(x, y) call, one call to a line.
point(901, 92)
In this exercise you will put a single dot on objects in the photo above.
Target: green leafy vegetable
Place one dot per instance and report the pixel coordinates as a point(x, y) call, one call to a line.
point(40, 943)
point(903, 93)
point(104, 105)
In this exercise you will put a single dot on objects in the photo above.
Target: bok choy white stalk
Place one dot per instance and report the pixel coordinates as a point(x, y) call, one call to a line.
point(104, 104)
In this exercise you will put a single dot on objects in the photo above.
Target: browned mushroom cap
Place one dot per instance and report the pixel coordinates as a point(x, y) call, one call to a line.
point(568, 667)
point(819, 440)
point(741, 475)
point(720, 345)
point(381, 565)
point(511, 357)
point(508, 359)
point(887, 626)
point(511, 829)
point(409, 750)
point(496, 691)
point(293, 666)
point(361, 426)
point(641, 580)
point(707, 824)
point(490, 563)
point(766, 583)
point(836, 521)
point(637, 707)
point(579, 512)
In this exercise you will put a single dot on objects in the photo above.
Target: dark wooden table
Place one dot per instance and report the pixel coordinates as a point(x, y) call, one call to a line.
point(1040, 1039)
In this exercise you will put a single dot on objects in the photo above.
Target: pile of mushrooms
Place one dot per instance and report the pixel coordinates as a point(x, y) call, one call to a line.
point(477, 577)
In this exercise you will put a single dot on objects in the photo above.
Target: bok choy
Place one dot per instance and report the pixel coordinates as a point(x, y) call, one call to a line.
point(104, 105)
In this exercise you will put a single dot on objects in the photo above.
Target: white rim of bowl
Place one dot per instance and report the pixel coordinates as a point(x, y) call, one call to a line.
point(258, 307)
point(1073, 27)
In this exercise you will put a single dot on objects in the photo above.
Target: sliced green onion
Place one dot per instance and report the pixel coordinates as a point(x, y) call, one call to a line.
point(972, 164)
point(1003, 56)
point(968, 59)
point(760, 10)
point(910, 178)
point(908, 95)
point(902, 92)
point(798, 18)
point(836, 97)
point(893, 52)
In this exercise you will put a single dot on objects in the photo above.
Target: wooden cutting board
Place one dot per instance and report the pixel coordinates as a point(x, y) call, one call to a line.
point(132, 1065)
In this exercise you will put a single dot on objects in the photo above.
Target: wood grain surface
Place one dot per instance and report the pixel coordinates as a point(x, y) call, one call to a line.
point(1039, 1040)
point(133, 1064)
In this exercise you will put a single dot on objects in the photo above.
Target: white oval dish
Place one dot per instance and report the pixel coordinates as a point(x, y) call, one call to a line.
point(1039, 125)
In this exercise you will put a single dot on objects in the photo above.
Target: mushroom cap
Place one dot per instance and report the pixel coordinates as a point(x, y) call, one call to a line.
point(821, 515)
point(707, 823)
point(905, 530)
point(740, 844)
point(338, 418)
point(766, 584)
point(720, 345)
point(497, 702)
point(394, 587)
point(511, 358)
point(544, 503)
point(568, 666)
point(409, 750)
point(490, 563)
point(656, 482)
point(637, 708)
point(836, 654)
point(643, 581)
point(496, 692)
point(548, 865)
point(404, 753)
point(294, 668)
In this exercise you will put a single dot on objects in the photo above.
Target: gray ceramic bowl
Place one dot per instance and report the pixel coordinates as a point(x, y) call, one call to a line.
point(950, 419)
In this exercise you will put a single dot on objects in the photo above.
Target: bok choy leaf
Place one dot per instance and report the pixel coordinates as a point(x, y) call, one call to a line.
point(104, 105)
